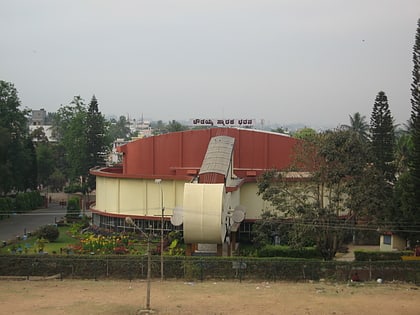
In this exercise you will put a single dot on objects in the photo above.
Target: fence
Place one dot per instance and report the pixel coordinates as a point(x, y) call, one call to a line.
point(203, 268)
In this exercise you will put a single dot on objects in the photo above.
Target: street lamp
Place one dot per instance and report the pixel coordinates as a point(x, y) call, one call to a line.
point(159, 181)
point(131, 222)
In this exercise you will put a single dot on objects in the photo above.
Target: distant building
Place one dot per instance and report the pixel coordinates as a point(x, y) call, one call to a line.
point(39, 120)
point(205, 180)
point(39, 117)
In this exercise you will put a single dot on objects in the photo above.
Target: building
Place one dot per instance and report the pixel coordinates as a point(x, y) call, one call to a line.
point(39, 121)
point(201, 181)
point(38, 117)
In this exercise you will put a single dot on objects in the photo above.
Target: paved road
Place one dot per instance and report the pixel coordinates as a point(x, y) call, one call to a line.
point(17, 224)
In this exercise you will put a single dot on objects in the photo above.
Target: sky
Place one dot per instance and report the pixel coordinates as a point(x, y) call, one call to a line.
point(280, 61)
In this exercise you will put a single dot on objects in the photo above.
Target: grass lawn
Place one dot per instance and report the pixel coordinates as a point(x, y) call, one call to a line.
point(63, 241)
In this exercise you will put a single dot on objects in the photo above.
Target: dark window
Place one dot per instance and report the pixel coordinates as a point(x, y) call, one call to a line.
point(387, 239)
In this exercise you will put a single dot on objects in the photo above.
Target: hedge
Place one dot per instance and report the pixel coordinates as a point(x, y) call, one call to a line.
point(20, 203)
point(286, 251)
point(362, 255)
point(202, 268)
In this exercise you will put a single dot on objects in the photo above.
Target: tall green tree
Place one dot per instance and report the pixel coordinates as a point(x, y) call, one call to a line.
point(97, 148)
point(46, 162)
point(411, 202)
point(383, 137)
point(16, 155)
point(69, 128)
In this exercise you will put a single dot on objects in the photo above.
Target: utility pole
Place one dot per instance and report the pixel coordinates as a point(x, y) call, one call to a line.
point(131, 222)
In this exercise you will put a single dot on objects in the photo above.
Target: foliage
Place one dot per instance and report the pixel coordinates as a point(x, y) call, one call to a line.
point(90, 243)
point(412, 197)
point(69, 129)
point(286, 251)
point(305, 133)
point(28, 201)
point(314, 200)
point(82, 139)
point(269, 228)
point(17, 158)
point(176, 243)
point(49, 232)
point(73, 208)
point(40, 244)
point(119, 129)
point(174, 126)
point(45, 162)
point(202, 268)
point(359, 125)
point(96, 144)
point(383, 137)
point(7, 205)
point(362, 255)
point(57, 180)
point(75, 188)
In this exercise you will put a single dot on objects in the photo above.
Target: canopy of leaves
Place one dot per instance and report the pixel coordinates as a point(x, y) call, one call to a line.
point(383, 137)
point(318, 198)
point(17, 156)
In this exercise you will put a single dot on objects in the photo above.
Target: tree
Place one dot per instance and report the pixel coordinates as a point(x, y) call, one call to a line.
point(411, 202)
point(69, 127)
point(174, 126)
point(383, 137)
point(403, 148)
point(359, 125)
point(46, 162)
point(96, 146)
point(159, 128)
point(16, 157)
point(316, 196)
point(119, 129)
point(304, 133)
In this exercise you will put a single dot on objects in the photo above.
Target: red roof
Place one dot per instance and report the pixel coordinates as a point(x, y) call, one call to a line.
point(181, 154)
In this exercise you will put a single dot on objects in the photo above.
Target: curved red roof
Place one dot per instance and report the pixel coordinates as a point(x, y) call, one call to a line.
point(180, 154)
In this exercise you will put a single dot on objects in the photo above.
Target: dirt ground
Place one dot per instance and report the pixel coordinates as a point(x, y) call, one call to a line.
point(210, 297)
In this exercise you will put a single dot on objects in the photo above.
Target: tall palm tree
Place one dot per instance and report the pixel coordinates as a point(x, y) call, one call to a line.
point(359, 125)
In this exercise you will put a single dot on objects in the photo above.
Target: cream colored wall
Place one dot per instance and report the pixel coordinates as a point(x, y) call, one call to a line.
point(138, 196)
point(251, 201)
point(143, 197)
point(107, 194)
point(397, 243)
point(384, 247)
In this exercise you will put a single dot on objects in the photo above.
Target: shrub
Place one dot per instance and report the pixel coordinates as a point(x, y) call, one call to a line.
point(285, 251)
point(6, 206)
point(73, 208)
point(48, 232)
point(361, 255)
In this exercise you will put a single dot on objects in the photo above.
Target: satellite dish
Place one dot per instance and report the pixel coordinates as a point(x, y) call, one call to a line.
point(177, 218)
point(238, 214)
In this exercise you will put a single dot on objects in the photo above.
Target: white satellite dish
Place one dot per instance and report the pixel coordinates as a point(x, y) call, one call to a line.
point(238, 214)
point(178, 217)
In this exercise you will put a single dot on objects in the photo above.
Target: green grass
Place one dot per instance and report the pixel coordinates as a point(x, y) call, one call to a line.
point(63, 241)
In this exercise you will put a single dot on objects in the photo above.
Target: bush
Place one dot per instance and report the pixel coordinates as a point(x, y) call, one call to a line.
point(361, 255)
point(28, 201)
point(6, 207)
point(73, 208)
point(286, 251)
point(48, 232)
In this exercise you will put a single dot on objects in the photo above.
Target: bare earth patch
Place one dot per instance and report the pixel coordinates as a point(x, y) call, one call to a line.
point(210, 297)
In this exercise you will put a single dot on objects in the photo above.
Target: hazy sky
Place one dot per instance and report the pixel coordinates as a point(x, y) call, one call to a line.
point(284, 61)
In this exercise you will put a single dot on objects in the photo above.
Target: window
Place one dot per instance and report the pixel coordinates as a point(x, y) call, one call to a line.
point(387, 239)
